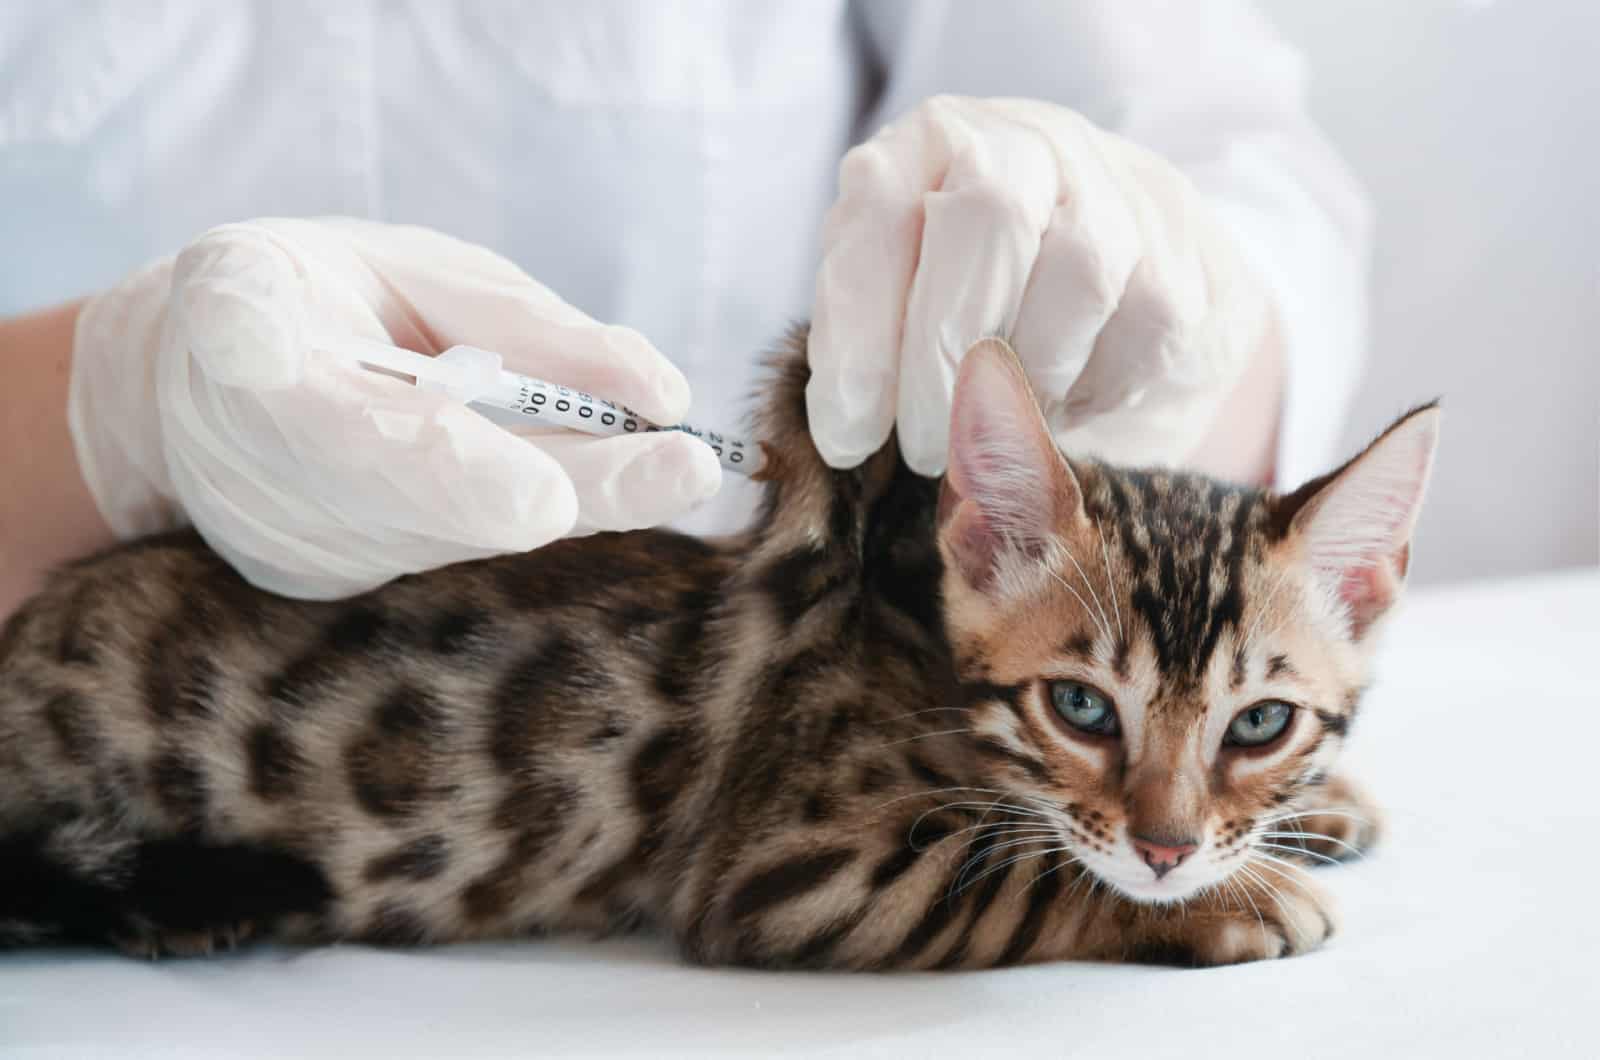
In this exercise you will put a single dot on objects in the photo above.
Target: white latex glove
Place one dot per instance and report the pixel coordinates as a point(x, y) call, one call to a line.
point(199, 393)
point(1129, 306)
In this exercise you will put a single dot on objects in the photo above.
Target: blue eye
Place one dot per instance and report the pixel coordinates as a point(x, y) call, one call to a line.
point(1084, 707)
point(1260, 724)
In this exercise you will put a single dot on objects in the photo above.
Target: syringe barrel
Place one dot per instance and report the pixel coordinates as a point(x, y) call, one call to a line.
point(554, 405)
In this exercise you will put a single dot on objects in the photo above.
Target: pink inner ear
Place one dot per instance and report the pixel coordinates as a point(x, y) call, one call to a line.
point(1367, 592)
point(973, 544)
point(1358, 529)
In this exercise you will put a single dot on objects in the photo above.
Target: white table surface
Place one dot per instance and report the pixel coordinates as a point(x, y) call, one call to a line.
point(1474, 931)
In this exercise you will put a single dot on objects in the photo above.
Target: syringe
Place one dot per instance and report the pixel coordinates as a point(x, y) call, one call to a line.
point(477, 377)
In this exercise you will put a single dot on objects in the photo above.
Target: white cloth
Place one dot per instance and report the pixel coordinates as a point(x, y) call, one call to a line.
point(1463, 936)
point(660, 165)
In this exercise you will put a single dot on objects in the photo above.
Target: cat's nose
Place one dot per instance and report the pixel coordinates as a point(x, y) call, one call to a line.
point(1163, 854)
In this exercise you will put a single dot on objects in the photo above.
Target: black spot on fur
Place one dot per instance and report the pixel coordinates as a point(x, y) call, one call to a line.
point(180, 787)
point(900, 563)
point(660, 771)
point(394, 923)
point(1080, 645)
point(663, 768)
point(874, 778)
point(491, 896)
point(559, 674)
point(928, 773)
point(1120, 662)
point(975, 692)
point(1278, 665)
point(994, 749)
point(987, 878)
point(1046, 887)
point(455, 632)
point(68, 718)
point(408, 712)
point(420, 859)
point(937, 915)
point(1169, 953)
point(803, 579)
point(895, 865)
point(835, 737)
point(815, 951)
point(76, 646)
point(275, 762)
point(390, 764)
point(1336, 724)
point(614, 727)
point(787, 880)
point(687, 654)
point(534, 806)
point(358, 630)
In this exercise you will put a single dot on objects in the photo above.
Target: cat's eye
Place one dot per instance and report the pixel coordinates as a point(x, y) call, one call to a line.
point(1084, 707)
point(1259, 725)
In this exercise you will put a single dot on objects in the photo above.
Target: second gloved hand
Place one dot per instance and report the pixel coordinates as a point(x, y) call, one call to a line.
point(202, 392)
point(1128, 304)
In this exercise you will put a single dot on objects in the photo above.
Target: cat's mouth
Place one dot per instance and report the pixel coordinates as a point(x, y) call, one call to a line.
point(1125, 874)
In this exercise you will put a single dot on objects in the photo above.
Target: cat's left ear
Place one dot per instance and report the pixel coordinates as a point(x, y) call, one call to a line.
point(1008, 490)
point(1355, 524)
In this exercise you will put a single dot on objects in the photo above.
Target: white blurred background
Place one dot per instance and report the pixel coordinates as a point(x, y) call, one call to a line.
point(1475, 127)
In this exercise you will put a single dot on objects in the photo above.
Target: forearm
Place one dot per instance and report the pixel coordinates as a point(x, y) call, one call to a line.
point(46, 513)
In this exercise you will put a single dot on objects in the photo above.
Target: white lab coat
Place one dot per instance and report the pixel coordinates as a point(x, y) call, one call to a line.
point(659, 163)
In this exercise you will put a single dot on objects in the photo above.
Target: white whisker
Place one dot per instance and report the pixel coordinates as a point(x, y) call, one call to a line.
point(1266, 605)
point(918, 713)
point(1316, 837)
point(935, 791)
point(983, 855)
point(1105, 619)
point(923, 736)
point(1325, 859)
point(1111, 585)
point(1319, 812)
point(1086, 609)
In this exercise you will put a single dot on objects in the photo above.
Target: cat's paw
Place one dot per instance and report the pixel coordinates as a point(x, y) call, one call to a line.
point(1290, 918)
point(148, 942)
point(1341, 821)
point(1296, 920)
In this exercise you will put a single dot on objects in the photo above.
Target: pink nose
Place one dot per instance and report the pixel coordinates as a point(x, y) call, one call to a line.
point(1164, 856)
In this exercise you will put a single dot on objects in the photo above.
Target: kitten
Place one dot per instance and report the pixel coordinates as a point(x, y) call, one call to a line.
point(1047, 709)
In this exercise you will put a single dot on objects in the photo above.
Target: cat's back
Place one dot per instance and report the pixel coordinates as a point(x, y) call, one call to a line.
point(155, 677)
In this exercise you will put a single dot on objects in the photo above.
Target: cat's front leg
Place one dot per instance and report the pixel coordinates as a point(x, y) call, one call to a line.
point(1263, 913)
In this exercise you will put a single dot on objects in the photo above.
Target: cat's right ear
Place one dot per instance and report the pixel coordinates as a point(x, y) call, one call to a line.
point(1008, 489)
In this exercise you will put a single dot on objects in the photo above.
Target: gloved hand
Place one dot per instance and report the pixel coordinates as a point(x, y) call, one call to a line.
point(199, 392)
point(1129, 306)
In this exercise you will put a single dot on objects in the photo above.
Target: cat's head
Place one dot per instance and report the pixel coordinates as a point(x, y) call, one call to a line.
point(1170, 661)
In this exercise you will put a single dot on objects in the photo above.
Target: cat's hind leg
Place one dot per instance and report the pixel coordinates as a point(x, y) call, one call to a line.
point(81, 881)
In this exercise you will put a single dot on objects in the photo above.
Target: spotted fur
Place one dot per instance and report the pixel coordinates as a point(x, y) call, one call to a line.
point(815, 744)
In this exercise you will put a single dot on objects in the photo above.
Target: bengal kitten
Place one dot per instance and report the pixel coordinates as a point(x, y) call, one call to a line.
point(1045, 710)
